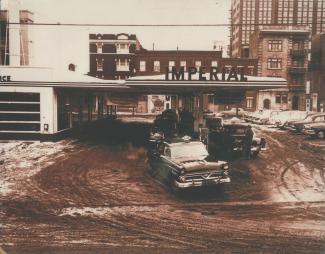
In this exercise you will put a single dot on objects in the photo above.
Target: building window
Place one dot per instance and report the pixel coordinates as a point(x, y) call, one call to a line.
point(156, 66)
point(99, 48)
point(275, 45)
point(214, 63)
point(278, 98)
point(171, 64)
point(284, 99)
point(142, 65)
point(100, 64)
point(183, 64)
point(122, 48)
point(197, 64)
point(211, 98)
point(274, 63)
point(250, 70)
point(227, 68)
point(249, 102)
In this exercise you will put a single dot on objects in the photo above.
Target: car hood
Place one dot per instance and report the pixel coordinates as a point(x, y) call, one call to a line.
point(315, 125)
point(198, 164)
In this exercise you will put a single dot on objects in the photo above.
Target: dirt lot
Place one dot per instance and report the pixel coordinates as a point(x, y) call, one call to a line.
point(94, 197)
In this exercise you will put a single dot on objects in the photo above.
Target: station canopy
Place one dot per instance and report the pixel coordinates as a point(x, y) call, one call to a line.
point(161, 84)
point(156, 84)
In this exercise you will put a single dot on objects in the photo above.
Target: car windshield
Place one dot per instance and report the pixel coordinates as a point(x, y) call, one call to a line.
point(188, 150)
point(308, 119)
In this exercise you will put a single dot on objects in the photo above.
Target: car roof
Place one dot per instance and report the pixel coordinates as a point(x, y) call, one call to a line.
point(180, 141)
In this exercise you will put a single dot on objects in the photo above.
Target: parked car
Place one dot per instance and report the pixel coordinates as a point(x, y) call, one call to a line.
point(264, 116)
point(184, 163)
point(282, 118)
point(297, 126)
point(232, 112)
point(230, 139)
point(315, 129)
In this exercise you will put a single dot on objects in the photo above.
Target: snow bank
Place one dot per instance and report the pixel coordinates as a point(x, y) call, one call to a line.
point(23, 159)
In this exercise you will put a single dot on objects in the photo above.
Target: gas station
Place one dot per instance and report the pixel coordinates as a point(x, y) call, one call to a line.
point(39, 103)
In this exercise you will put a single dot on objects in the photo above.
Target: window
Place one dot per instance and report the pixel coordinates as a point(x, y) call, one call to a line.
point(275, 45)
point(284, 98)
point(100, 64)
point(214, 63)
point(183, 64)
point(250, 70)
point(197, 64)
point(99, 48)
point(156, 66)
point(278, 98)
point(249, 102)
point(274, 63)
point(171, 64)
point(142, 65)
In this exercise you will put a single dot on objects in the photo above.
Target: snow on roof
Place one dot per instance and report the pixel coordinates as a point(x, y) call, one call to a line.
point(195, 77)
point(49, 75)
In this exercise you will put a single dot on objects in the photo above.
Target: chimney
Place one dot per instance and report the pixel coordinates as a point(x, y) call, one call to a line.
point(14, 32)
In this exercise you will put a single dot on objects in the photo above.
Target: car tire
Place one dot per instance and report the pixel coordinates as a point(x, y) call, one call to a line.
point(254, 155)
point(320, 134)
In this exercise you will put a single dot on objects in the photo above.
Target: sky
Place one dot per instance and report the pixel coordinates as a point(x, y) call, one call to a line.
point(63, 45)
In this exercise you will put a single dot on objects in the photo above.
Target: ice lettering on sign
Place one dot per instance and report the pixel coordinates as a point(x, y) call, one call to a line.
point(5, 78)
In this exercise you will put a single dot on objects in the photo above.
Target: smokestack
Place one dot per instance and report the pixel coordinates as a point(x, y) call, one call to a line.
point(14, 32)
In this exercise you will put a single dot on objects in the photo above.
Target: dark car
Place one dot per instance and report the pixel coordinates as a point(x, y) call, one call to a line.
point(315, 129)
point(184, 164)
point(166, 122)
point(230, 139)
point(297, 126)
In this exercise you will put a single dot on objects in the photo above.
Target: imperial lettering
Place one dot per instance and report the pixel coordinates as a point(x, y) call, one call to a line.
point(203, 73)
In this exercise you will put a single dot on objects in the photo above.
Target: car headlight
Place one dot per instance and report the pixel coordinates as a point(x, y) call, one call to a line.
point(182, 178)
point(225, 166)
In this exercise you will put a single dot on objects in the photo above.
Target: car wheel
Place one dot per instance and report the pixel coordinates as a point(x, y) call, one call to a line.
point(254, 154)
point(320, 134)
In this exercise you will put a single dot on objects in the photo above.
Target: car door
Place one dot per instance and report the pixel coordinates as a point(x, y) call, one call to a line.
point(167, 165)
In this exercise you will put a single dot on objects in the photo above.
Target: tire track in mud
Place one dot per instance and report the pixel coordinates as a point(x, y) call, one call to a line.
point(298, 156)
point(118, 181)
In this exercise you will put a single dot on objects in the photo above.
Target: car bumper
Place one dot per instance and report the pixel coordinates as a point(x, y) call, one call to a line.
point(290, 128)
point(308, 132)
point(253, 149)
point(186, 185)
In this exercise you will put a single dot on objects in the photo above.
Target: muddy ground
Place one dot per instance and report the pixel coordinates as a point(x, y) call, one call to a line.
point(96, 196)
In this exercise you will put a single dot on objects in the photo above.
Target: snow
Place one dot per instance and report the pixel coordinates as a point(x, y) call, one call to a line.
point(43, 74)
point(106, 211)
point(207, 75)
point(23, 159)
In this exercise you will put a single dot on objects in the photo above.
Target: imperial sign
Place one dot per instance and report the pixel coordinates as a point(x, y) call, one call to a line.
point(213, 72)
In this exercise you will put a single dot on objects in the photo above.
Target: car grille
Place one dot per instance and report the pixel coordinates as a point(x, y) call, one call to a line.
point(203, 176)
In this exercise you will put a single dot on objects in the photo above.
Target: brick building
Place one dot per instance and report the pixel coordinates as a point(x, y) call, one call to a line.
point(151, 62)
point(247, 15)
point(282, 51)
point(317, 73)
point(112, 56)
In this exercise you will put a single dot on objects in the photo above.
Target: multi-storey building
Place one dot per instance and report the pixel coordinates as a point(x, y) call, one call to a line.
point(247, 15)
point(316, 94)
point(112, 56)
point(282, 51)
point(155, 62)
